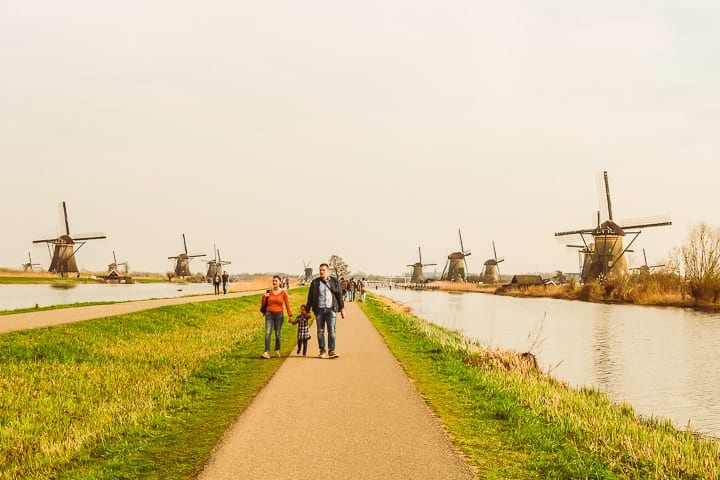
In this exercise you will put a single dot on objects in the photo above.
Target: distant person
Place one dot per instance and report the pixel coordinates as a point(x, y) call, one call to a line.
point(325, 299)
point(274, 301)
point(361, 289)
point(225, 278)
point(303, 322)
point(343, 287)
point(216, 283)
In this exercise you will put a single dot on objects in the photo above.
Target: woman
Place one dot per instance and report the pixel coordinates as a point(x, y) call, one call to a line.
point(274, 300)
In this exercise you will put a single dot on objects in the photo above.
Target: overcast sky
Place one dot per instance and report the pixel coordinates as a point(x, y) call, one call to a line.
point(286, 131)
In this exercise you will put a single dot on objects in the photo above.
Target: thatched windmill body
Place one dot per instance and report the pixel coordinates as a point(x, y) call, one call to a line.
point(417, 269)
point(182, 261)
point(455, 268)
point(602, 246)
point(30, 266)
point(215, 266)
point(64, 247)
point(491, 274)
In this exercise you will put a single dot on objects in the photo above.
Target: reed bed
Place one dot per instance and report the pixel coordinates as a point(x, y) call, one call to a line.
point(498, 406)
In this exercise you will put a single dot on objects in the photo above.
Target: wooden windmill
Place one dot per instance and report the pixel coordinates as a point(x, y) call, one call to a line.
point(30, 266)
point(602, 246)
point(645, 268)
point(215, 265)
point(65, 247)
point(417, 272)
point(455, 268)
point(182, 261)
point(492, 269)
point(114, 268)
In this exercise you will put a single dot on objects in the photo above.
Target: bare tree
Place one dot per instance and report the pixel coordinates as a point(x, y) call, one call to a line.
point(338, 266)
point(701, 261)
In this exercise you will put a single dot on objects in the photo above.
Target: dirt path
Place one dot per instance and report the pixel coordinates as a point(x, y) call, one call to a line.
point(355, 417)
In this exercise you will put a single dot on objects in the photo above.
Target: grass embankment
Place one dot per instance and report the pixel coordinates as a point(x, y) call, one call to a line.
point(142, 395)
point(513, 421)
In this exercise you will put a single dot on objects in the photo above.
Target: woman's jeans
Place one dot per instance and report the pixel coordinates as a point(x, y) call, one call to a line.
point(325, 318)
point(273, 320)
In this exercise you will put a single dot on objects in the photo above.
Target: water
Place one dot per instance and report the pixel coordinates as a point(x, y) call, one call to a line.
point(27, 296)
point(663, 361)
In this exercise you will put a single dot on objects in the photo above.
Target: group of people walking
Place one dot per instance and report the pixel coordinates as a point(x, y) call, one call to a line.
point(218, 279)
point(325, 300)
point(353, 289)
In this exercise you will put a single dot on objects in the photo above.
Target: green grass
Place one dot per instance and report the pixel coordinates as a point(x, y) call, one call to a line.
point(142, 395)
point(512, 421)
point(52, 307)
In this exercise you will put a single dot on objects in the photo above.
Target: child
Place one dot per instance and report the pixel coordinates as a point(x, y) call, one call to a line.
point(303, 322)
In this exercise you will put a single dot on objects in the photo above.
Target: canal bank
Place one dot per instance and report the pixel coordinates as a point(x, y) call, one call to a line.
point(663, 361)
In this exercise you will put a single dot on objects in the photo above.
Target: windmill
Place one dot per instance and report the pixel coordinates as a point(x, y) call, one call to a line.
point(215, 265)
point(417, 272)
point(63, 253)
point(182, 261)
point(114, 268)
point(30, 266)
point(604, 254)
point(645, 268)
point(307, 272)
point(492, 269)
point(456, 264)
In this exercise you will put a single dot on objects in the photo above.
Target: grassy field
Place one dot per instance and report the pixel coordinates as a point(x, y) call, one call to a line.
point(512, 421)
point(143, 395)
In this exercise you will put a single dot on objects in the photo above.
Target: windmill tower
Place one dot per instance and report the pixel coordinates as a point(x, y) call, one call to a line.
point(215, 265)
point(455, 268)
point(645, 268)
point(417, 272)
point(492, 269)
point(182, 261)
point(602, 246)
point(30, 266)
point(307, 272)
point(65, 247)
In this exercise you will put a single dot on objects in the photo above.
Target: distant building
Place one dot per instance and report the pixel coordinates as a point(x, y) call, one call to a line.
point(524, 281)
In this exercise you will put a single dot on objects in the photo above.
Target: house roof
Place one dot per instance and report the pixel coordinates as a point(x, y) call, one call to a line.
point(527, 280)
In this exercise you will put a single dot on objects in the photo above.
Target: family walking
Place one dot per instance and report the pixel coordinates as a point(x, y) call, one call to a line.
point(324, 299)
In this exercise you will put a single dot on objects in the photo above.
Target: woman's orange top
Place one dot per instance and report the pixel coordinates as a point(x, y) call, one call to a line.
point(275, 302)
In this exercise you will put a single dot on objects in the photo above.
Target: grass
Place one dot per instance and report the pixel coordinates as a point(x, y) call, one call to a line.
point(512, 421)
point(142, 395)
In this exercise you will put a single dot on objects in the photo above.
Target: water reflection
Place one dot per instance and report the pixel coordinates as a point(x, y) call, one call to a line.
point(661, 360)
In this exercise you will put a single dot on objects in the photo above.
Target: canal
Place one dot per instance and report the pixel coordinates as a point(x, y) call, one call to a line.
point(664, 361)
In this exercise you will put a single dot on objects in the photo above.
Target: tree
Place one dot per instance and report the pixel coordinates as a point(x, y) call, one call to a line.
point(701, 260)
point(338, 266)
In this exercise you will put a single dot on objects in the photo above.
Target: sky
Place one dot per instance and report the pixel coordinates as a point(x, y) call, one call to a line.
point(284, 132)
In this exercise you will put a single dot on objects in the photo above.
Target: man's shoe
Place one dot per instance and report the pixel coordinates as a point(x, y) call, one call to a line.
point(265, 355)
point(277, 353)
point(323, 355)
point(334, 355)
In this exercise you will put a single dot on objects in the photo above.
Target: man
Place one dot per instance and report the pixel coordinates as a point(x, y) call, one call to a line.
point(325, 299)
point(225, 279)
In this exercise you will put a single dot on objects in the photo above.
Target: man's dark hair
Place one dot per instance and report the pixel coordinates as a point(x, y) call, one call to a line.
point(328, 266)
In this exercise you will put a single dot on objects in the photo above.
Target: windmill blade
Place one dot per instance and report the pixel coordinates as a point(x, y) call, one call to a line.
point(442, 275)
point(184, 244)
point(467, 272)
point(65, 226)
point(646, 222)
point(494, 251)
point(645, 257)
point(420, 255)
point(501, 259)
point(603, 189)
point(89, 236)
point(462, 249)
point(575, 232)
